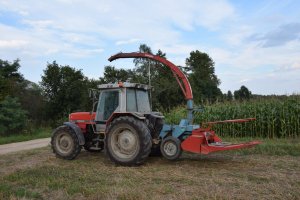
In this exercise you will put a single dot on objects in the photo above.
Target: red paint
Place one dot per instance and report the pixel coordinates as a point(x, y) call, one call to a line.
point(82, 119)
point(192, 143)
point(231, 121)
point(205, 141)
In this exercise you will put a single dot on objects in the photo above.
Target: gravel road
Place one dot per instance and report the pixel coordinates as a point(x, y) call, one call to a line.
point(19, 146)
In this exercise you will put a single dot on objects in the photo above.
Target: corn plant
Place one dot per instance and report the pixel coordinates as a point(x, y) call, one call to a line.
point(276, 117)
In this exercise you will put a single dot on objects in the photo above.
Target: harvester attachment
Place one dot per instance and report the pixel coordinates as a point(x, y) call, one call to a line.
point(205, 141)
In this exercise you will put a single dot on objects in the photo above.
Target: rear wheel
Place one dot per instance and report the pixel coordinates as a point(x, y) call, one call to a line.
point(128, 141)
point(171, 148)
point(65, 143)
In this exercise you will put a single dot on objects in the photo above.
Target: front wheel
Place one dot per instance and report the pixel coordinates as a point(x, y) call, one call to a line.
point(171, 148)
point(128, 141)
point(65, 143)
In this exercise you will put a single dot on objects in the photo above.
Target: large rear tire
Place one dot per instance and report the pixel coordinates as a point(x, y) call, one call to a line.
point(65, 143)
point(128, 141)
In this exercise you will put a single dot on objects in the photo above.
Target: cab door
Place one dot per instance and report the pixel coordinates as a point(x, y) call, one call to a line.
point(108, 104)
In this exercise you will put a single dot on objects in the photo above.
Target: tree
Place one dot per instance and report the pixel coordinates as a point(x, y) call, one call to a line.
point(13, 84)
point(229, 96)
point(12, 116)
point(10, 79)
point(201, 73)
point(113, 75)
point(33, 102)
point(143, 65)
point(65, 90)
point(242, 94)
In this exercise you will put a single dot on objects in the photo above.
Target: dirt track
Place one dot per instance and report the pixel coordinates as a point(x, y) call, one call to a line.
point(19, 146)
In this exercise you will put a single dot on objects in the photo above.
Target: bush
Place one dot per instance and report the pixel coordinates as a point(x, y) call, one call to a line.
point(12, 116)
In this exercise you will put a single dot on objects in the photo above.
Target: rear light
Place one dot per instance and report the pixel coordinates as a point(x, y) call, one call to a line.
point(120, 84)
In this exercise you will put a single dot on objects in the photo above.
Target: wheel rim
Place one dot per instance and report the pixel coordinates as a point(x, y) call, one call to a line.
point(64, 143)
point(125, 143)
point(170, 148)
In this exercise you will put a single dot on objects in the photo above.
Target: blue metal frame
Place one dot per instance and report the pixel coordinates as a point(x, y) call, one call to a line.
point(190, 116)
point(184, 128)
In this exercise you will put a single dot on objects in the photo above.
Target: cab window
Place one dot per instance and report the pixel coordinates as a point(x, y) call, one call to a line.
point(137, 101)
point(109, 101)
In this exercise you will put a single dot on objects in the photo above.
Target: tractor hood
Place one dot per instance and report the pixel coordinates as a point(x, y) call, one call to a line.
point(82, 117)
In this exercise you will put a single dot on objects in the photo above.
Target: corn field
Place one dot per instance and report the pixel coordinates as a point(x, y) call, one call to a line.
point(275, 118)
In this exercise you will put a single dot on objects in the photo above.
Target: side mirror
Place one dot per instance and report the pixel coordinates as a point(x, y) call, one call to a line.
point(90, 93)
point(94, 105)
point(93, 93)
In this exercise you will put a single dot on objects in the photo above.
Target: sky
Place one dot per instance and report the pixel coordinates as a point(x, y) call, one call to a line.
point(253, 43)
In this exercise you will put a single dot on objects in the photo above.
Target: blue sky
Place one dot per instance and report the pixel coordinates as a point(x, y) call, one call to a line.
point(253, 43)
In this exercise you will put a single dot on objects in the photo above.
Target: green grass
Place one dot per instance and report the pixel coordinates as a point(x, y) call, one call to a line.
point(19, 192)
point(39, 133)
point(39, 174)
point(275, 147)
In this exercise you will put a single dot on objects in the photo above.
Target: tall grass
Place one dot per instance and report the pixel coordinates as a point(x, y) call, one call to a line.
point(275, 118)
point(38, 133)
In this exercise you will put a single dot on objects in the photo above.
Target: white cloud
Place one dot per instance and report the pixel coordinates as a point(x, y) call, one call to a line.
point(219, 55)
point(293, 66)
point(296, 65)
point(79, 23)
point(38, 23)
point(74, 29)
point(244, 80)
point(12, 44)
point(83, 53)
point(237, 34)
point(130, 41)
point(178, 49)
point(23, 12)
point(214, 13)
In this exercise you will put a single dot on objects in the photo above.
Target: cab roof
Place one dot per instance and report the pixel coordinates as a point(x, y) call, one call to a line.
point(124, 85)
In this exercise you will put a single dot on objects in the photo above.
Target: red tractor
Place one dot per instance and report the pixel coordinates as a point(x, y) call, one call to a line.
point(125, 126)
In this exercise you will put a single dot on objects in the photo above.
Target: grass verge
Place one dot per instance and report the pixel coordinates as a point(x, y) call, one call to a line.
point(39, 133)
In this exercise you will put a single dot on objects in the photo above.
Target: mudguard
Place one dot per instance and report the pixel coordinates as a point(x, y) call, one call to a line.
point(77, 130)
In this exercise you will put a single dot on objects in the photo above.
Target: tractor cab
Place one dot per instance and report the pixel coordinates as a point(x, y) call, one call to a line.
point(119, 99)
